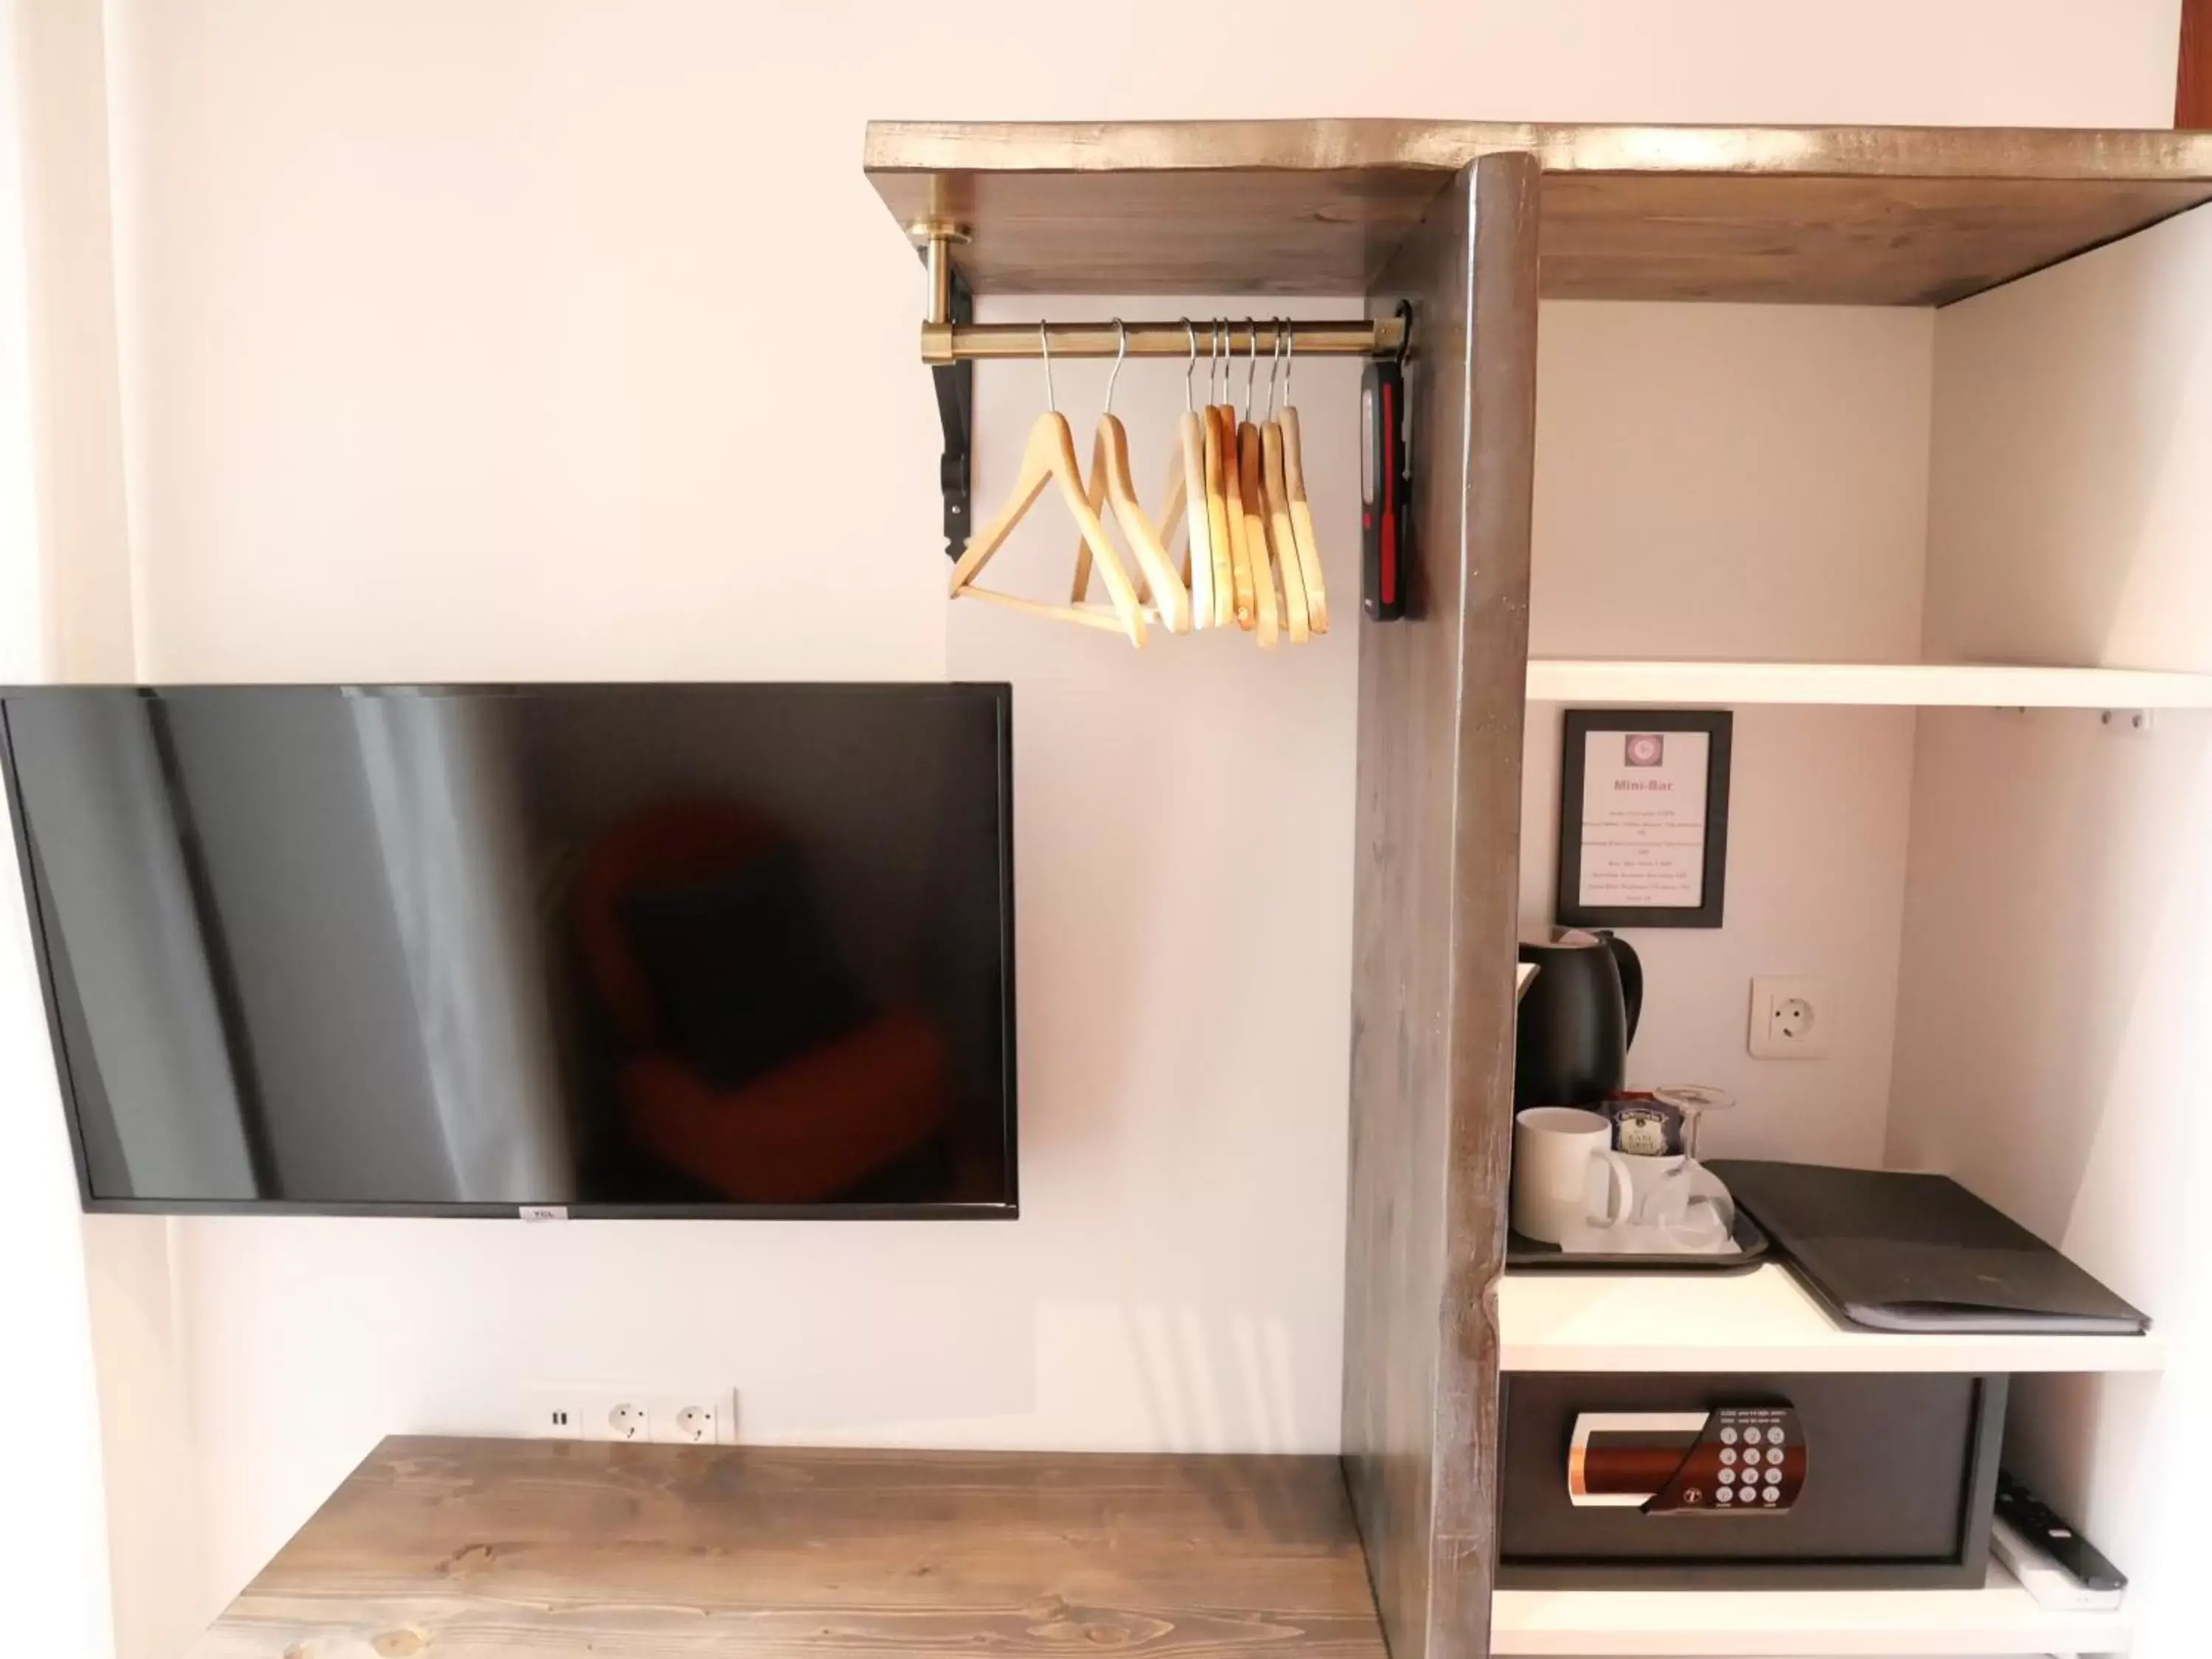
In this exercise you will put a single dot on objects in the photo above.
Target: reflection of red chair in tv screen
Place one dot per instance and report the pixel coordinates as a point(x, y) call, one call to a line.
point(753, 1062)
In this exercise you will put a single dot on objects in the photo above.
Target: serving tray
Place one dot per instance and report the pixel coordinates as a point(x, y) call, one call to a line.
point(1752, 1246)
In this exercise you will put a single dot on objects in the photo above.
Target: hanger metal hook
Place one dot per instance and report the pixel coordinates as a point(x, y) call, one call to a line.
point(1188, 407)
point(1290, 361)
point(1044, 346)
point(1213, 360)
point(1120, 350)
point(1251, 364)
point(1275, 362)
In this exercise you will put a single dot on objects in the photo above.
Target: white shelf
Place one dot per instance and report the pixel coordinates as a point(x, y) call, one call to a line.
point(1554, 679)
point(1761, 1321)
point(2000, 1618)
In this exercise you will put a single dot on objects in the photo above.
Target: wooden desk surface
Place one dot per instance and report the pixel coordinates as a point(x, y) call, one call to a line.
point(463, 1548)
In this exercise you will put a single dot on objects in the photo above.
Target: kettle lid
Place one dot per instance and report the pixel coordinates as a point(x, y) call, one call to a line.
point(1559, 939)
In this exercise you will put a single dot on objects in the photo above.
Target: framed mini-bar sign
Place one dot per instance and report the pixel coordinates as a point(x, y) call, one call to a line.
point(1644, 800)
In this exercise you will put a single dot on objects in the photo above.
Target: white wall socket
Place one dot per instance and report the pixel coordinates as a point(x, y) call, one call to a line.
point(695, 1424)
point(1791, 1019)
point(701, 1417)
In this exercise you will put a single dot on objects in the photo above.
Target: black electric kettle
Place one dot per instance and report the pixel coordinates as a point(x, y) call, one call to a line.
point(1578, 1018)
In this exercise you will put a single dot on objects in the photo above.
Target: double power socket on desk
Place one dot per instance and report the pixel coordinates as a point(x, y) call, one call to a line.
point(592, 1411)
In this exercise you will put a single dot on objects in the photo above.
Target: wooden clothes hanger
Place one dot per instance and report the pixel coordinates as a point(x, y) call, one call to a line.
point(1161, 584)
point(1294, 482)
point(1280, 532)
point(1297, 615)
point(1266, 618)
point(1050, 457)
point(1217, 503)
point(1232, 490)
point(1187, 499)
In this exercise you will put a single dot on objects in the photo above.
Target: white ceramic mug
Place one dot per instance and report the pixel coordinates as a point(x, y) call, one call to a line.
point(1642, 1187)
point(1552, 1149)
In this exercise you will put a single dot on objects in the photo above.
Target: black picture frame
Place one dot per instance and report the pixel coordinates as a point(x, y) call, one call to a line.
point(1719, 726)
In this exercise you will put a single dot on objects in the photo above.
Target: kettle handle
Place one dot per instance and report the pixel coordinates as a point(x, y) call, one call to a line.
point(1632, 976)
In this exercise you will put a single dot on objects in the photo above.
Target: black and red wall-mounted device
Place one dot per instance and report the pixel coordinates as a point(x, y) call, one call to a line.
point(1386, 486)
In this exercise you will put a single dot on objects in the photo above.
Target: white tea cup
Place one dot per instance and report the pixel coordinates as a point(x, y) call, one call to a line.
point(1645, 1205)
point(1636, 1188)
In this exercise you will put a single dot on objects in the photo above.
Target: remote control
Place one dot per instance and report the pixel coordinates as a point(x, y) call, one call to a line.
point(2036, 1525)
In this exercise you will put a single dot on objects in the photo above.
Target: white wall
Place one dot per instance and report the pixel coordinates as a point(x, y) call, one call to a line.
point(72, 354)
point(540, 339)
point(2089, 381)
point(1732, 482)
point(74, 554)
point(1747, 481)
point(53, 1540)
point(2055, 994)
point(2052, 1009)
point(57, 1542)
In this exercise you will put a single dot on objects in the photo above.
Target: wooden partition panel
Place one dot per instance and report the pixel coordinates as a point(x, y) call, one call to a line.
point(1435, 908)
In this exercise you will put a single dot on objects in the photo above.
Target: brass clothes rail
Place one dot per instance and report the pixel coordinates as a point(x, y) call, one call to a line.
point(956, 343)
point(951, 344)
point(946, 340)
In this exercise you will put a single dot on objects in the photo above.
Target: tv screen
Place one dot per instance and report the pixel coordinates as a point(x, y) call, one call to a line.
point(648, 949)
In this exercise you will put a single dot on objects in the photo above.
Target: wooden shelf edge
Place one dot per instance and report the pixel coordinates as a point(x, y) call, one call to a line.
point(1837, 216)
point(2150, 154)
point(1761, 1321)
point(1999, 1618)
point(1969, 685)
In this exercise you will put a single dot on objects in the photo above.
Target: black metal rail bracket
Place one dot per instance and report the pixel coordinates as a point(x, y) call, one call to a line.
point(956, 409)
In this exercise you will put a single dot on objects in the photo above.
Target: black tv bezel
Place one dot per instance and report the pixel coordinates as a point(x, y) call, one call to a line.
point(1001, 695)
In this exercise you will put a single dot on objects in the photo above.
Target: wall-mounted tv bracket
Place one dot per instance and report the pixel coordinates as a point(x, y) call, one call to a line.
point(952, 341)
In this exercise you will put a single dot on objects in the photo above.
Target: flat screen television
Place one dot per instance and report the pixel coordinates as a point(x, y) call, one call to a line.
point(586, 949)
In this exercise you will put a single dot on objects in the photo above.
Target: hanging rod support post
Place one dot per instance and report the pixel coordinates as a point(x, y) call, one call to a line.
point(949, 305)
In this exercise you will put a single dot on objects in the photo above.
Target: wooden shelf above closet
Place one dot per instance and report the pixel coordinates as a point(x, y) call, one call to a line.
point(1842, 216)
